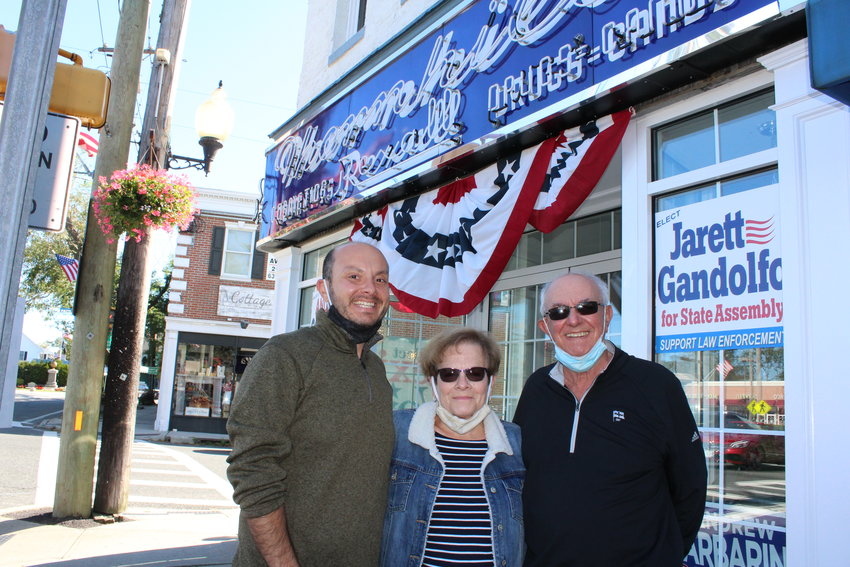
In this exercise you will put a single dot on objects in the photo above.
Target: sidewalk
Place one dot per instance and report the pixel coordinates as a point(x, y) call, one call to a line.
point(172, 539)
point(29, 536)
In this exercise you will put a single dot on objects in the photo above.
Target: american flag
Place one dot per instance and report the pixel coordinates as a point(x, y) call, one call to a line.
point(88, 143)
point(69, 265)
point(724, 367)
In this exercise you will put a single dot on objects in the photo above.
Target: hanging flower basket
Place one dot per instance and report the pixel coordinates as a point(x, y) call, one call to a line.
point(136, 200)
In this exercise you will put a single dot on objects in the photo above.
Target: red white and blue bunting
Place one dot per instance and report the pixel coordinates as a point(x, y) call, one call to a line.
point(446, 248)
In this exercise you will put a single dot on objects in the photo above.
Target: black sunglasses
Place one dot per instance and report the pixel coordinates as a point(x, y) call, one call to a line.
point(563, 311)
point(474, 374)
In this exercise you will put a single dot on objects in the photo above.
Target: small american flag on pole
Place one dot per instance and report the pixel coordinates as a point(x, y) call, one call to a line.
point(724, 367)
point(69, 265)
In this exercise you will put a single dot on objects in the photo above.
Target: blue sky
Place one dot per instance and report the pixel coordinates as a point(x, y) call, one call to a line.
point(254, 47)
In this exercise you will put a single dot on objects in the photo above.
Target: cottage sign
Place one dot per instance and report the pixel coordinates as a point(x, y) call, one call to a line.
point(495, 63)
point(245, 302)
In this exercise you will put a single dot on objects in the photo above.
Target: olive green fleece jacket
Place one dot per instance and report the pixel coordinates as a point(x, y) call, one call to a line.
point(311, 429)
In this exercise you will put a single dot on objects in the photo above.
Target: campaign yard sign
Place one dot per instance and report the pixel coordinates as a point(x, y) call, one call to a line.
point(718, 274)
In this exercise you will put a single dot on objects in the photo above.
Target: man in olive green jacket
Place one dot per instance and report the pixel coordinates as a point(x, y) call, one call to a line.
point(311, 429)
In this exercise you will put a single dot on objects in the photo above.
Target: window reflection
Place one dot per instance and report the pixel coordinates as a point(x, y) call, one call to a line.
point(729, 131)
point(405, 334)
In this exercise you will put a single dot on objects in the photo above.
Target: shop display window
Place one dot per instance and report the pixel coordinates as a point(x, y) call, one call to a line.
point(207, 375)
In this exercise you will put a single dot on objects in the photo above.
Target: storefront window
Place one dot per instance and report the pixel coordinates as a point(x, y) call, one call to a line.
point(727, 132)
point(314, 260)
point(405, 334)
point(310, 272)
point(718, 327)
point(581, 237)
point(207, 373)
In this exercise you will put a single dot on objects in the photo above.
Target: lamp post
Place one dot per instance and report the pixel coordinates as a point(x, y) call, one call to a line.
point(213, 122)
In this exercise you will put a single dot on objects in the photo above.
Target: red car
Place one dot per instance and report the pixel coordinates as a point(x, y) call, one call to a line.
point(747, 445)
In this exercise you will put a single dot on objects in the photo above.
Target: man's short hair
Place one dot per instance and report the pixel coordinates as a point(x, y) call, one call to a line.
point(328, 264)
point(599, 282)
point(330, 258)
point(430, 356)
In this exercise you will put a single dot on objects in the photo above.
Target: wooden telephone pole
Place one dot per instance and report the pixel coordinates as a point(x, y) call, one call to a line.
point(122, 381)
point(77, 445)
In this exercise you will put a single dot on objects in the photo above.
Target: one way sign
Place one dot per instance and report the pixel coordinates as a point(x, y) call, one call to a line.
point(55, 168)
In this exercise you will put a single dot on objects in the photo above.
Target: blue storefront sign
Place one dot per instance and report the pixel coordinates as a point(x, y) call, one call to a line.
point(492, 68)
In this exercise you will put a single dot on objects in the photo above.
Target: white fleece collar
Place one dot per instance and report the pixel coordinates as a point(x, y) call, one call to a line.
point(421, 431)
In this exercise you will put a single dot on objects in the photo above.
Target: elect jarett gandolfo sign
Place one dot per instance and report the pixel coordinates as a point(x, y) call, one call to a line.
point(718, 275)
point(494, 64)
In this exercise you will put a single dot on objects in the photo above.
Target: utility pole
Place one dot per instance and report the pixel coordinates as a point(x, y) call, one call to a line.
point(122, 381)
point(77, 445)
point(30, 83)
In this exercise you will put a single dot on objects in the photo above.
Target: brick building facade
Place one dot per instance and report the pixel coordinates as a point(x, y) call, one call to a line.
point(219, 313)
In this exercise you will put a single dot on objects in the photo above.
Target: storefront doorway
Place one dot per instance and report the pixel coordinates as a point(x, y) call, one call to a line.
point(206, 377)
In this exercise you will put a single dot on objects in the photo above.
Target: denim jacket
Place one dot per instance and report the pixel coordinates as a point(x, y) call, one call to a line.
point(415, 474)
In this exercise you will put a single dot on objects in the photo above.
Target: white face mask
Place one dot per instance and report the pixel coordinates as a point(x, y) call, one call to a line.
point(461, 425)
point(327, 302)
point(586, 361)
point(319, 303)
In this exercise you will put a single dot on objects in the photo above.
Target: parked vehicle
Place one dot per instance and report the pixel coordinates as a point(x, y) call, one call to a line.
point(744, 447)
point(147, 396)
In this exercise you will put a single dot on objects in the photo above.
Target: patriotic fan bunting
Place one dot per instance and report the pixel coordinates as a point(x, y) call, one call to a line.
point(446, 248)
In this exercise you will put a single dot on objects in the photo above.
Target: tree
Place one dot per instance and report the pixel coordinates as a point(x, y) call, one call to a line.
point(157, 310)
point(44, 285)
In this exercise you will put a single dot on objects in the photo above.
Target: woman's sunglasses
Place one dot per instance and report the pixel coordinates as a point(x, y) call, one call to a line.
point(563, 311)
point(474, 374)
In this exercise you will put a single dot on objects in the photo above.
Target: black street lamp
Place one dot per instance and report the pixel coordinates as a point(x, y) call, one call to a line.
point(213, 122)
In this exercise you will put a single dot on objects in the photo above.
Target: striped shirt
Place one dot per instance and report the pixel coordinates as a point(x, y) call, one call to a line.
point(460, 531)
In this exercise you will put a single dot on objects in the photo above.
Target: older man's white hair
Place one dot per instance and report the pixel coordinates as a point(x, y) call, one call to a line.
point(597, 281)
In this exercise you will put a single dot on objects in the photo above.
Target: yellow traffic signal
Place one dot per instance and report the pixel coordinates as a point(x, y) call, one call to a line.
point(77, 91)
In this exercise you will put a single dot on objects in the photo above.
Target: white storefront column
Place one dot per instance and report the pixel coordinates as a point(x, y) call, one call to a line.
point(166, 380)
point(636, 295)
point(287, 276)
point(814, 183)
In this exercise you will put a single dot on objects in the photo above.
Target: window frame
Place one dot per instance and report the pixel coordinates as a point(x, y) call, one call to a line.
point(229, 228)
point(639, 197)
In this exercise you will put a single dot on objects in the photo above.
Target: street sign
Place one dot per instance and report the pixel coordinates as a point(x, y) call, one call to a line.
point(55, 167)
point(760, 407)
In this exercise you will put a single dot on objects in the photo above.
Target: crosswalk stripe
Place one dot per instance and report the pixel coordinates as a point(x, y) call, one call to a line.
point(153, 461)
point(216, 482)
point(47, 463)
point(184, 501)
point(174, 484)
point(160, 471)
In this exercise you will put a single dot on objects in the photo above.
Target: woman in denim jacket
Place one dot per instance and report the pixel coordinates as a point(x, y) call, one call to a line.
point(455, 495)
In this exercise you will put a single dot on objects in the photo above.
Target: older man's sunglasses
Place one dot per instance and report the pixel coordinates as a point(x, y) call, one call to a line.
point(474, 374)
point(563, 311)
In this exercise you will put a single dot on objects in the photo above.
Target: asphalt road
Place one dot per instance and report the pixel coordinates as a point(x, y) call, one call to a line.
point(162, 476)
point(32, 405)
